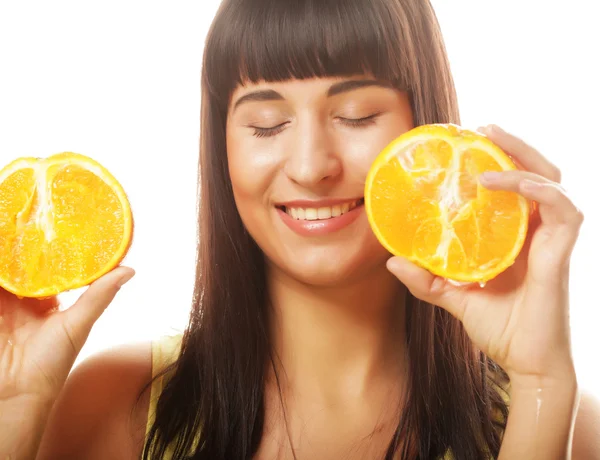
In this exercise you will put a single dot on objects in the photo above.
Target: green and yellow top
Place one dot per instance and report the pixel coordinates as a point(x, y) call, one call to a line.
point(164, 352)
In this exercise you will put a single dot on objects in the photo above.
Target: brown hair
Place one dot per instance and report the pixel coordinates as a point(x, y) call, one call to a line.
point(212, 407)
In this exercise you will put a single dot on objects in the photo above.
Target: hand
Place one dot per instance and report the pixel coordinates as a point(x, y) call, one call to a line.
point(39, 344)
point(520, 319)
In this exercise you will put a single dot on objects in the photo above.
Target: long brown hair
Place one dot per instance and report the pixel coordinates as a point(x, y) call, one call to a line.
point(213, 407)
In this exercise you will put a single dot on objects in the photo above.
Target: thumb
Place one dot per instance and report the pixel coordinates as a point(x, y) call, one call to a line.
point(80, 318)
point(428, 287)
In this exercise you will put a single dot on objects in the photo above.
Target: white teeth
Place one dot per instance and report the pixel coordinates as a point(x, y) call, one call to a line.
point(310, 214)
point(322, 213)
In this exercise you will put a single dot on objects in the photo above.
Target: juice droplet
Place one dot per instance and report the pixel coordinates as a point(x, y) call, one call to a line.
point(482, 284)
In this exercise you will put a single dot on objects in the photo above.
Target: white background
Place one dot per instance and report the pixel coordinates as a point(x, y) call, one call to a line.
point(119, 81)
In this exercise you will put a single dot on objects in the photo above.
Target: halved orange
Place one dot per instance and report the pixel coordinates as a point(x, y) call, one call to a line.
point(64, 222)
point(424, 202)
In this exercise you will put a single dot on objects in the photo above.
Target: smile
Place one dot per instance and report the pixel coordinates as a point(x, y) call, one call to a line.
point(318, 219)
point(322, 213)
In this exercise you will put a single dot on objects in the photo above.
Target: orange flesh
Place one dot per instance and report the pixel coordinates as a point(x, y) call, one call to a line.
point(64, 222)
point(424, 203)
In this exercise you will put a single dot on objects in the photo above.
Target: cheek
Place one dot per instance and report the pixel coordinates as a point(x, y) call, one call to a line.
point(361, 148)
point(252, 166)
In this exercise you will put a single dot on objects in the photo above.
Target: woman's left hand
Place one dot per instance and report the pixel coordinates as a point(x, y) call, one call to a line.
point(520, 319)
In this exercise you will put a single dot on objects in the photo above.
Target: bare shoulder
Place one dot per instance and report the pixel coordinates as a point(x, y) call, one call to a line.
point(586, 438)
point(100, 413)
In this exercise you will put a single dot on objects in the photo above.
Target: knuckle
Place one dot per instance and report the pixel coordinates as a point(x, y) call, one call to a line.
point(71, 335)
point(578, 217)
point(555, 174)
point(556, 193)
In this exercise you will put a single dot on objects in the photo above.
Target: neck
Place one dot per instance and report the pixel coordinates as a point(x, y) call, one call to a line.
point(335, 343)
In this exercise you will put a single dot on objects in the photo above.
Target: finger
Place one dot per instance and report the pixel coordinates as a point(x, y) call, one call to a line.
point(80, 318)
point(560, 222)
point(526, 155)
point(40, 307)
point(511, 180)
point(555, 207)
point(49, 304)
point(428, 287)
point(43, 306)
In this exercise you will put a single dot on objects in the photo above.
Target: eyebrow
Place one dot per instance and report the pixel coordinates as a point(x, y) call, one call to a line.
point(259, 96)
point(351, 85)
point(335, 89)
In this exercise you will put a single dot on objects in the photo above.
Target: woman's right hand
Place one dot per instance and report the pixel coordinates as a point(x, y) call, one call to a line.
point(39, 343)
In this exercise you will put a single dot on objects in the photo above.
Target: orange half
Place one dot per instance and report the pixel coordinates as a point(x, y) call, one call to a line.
point(424, 202)
point(64, 222)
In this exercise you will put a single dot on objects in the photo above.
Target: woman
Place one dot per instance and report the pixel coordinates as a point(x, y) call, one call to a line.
point(305, 339)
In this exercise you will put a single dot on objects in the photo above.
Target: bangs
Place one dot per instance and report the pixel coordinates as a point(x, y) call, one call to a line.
point(277, 40)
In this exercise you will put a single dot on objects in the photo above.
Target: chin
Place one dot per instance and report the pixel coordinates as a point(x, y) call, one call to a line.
point(333, 270)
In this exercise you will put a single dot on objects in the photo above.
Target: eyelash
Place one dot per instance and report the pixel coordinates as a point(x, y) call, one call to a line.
point(360, 122)
point(352, 122)
point(268, 132)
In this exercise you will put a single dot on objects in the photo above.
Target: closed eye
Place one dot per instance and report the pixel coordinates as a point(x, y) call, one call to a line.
point(268, 132)
point(360, 122)
point(352, 122)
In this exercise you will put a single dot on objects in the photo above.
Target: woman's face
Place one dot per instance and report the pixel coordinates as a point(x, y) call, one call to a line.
point(299, 152)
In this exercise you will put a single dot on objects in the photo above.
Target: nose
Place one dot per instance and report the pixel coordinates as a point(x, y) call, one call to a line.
point(312, 158)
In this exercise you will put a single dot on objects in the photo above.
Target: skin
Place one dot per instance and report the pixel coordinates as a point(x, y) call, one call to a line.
point(332, 329)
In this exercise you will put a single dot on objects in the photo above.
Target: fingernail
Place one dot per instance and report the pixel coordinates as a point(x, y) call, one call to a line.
point(485, 129)
point(392, 263)
point(437, 285)
point(125, 278)
point(490, 176)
